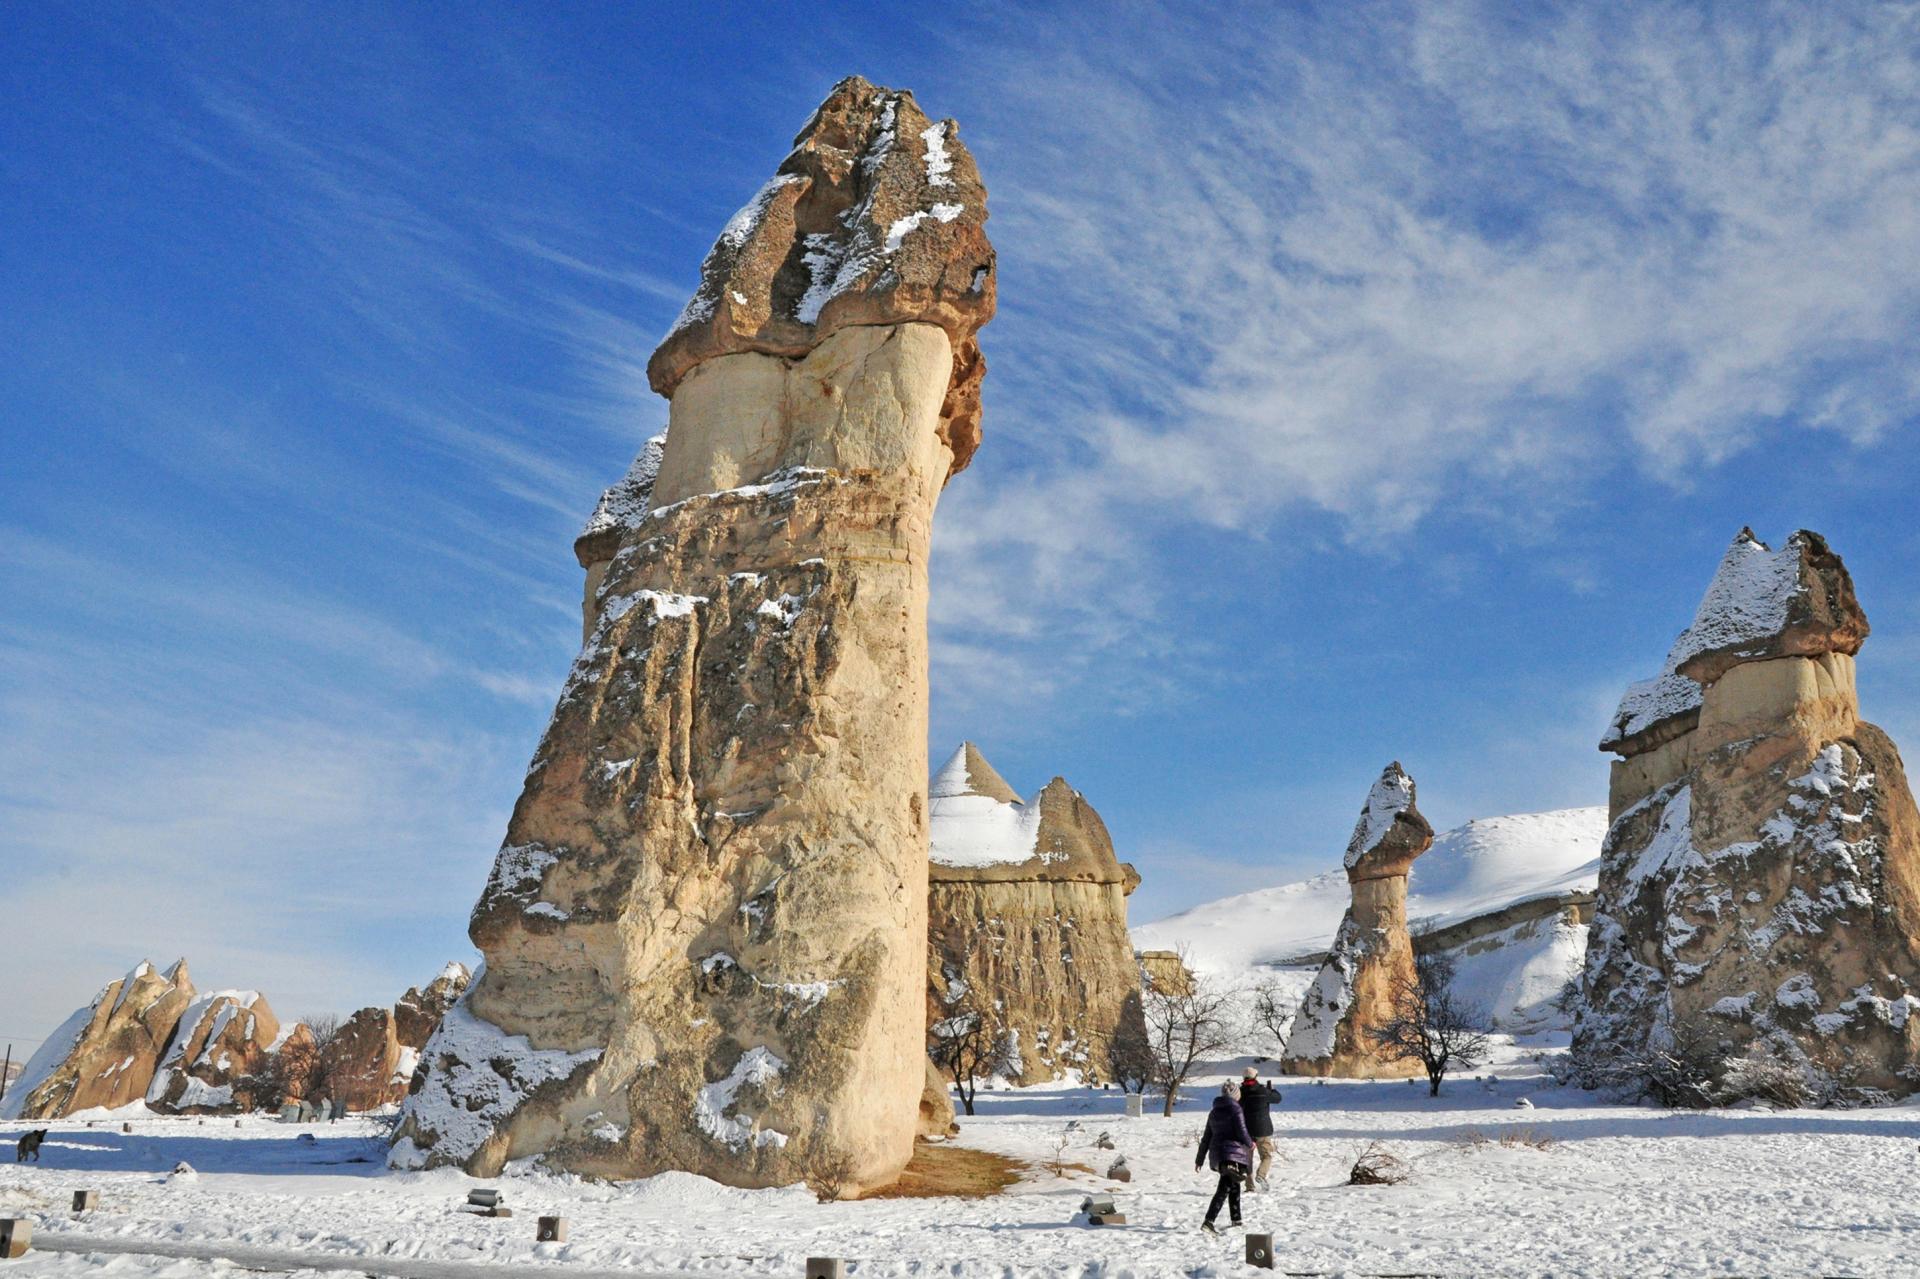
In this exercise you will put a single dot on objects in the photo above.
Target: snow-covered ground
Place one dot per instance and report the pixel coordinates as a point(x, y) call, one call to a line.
point(1616, 1191)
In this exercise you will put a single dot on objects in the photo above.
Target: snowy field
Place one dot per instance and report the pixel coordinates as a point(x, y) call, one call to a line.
point(1614, 1191)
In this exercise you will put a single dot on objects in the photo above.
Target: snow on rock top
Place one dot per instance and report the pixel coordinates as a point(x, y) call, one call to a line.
point(624, 505)
point(1761, 603)
point(1746, 601)
point(876, 217)
point(1485, 865)
point(1391, 796)
point(975, 819)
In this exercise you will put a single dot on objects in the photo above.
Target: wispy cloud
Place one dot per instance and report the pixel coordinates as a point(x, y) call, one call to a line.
point(1377, 265)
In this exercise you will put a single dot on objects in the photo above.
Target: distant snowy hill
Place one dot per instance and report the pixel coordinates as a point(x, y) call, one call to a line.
point(1476, 873)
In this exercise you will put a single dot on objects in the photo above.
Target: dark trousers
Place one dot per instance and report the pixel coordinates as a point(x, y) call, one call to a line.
point(1227, 1192)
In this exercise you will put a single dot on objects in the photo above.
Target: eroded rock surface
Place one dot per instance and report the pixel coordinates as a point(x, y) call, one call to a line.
point(106, 1054)
point(705, 932)
point(219, 1047)
point(1372, 952)
point(1027, 909)
point(1760, 883)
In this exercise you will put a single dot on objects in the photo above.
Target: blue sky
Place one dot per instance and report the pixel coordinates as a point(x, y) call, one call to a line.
point(1370, 382)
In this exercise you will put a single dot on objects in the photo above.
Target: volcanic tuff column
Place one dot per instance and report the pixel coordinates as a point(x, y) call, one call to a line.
point(1372, 953)
point(1759, 902)
point(705, 934)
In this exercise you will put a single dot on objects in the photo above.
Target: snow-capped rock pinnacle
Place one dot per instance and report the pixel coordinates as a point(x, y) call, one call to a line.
point(1372, 953)
point(705, 931)
point(1759, 897)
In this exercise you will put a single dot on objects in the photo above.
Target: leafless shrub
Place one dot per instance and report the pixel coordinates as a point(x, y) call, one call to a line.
point(1185, 1026)
point(829, 1172)
point(1273, 1013)
point(1374, 1166)
point(966, 1044)
point(1432, 1025)
point(1061, 1141)
point(1531, 1138)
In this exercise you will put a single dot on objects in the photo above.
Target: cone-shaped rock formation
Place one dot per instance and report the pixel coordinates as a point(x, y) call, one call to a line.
point(1027, 910)
point(104, 1055)
point(1372, 953)
point(220, 1045)
point(705, 931)
point(1759, 901)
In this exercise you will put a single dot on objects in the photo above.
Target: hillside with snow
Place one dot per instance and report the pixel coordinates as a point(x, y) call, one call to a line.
point(1473, 872)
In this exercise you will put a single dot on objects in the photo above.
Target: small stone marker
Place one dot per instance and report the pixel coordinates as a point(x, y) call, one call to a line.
point(126, 1127)
point(86, 1200)
point(1100, 1211)
point(16, 1235)
point(236, 1123)
point(551, 1230)
point(1118, 1170)
point(483, 1198)
point(826, 1268)
point(290, 1114)
point(1103, 1142)
point(1260, 1251)
point(501, 1211)
point(1136, 1105)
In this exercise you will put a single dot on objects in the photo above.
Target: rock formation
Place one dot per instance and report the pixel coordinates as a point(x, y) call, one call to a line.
point(1027, 906)
point(418, 1013)
point(219, 1048)
point(936, 1106)
point(1759, 902)
point(1372, 953)
point(148, 1037)
point(1166, 971)
point(703, 933)
point(362, 1065)
point(371, 1059)
point(104, 1055)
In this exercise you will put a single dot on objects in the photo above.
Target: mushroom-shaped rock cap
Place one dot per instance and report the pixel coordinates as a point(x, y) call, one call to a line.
point(1797, 601)
point(877, 216)
point(1391, 832)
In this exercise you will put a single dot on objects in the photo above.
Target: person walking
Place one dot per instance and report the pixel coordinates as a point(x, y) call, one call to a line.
point(1228, 1150)
point(1257, 1101)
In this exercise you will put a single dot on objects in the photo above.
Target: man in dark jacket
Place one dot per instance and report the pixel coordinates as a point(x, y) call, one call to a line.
point(1256, 1102)
point(1226, 1147)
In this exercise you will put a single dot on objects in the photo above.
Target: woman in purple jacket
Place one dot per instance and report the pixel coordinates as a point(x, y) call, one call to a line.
point(1228, 1150)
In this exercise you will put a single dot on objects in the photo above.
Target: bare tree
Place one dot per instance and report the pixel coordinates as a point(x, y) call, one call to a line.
point(1273, 1012)
point(299, 1070)
point(1187, 1022)
point(967, 1045)
point(1431, 1024)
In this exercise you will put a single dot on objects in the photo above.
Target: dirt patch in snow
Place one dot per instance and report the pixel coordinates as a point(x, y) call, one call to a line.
point(938, 1171)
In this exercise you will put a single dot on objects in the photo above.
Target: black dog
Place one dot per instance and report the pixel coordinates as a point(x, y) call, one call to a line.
point(30, 1146)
